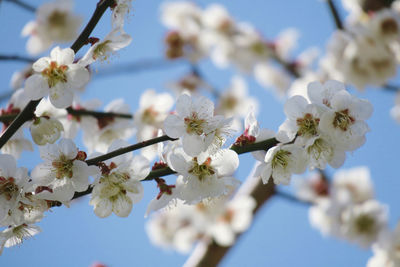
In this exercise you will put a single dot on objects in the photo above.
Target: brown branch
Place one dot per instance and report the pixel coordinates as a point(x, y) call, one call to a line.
point(262, 145)
point(208, 253)
point(28, 112)
point(97, 114)
point(17, 58)
point(7, 118)
point(101, 7)
point(335, 14)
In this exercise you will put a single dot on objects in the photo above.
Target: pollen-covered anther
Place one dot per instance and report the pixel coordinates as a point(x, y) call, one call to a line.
point(202, 171)
point(63, 167)
point(8, 187)
point(308, 125)
point(343, 120)
point(55, 73)
point(194, 124)
point(281, 159)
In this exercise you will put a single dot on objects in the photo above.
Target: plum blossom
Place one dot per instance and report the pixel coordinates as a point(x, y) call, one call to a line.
point(205, 176)
point(63, 173)
point(149, 118)
point(119, 187)
point(98, 135)
point(15, 235)
point(364, 222)
point(235, 218)
point(54, 22)
point(46, 130)
point(280, 162)
point(195, 122)
point(13, 181)
point(102, 50)
point(57, 76)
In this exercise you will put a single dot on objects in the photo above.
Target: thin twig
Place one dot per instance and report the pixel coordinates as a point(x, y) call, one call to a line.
point(391, 88)
point(76, 112)
point(22, 4)
point(262, 145)
point(28, 112)
point(335, 14)
point(17, 58)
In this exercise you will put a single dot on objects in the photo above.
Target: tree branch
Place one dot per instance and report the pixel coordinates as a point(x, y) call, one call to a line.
point(208, 253)
point(98, 13)
point(17, 58)
point(28, 111)
point(335, 14)
point(22, 4)
point(6, 118)
point(262, 145)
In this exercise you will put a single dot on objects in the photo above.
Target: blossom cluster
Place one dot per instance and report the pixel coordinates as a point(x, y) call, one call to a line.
point(344, 207)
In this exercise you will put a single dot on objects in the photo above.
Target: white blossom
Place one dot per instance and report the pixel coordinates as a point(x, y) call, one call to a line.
point(54, 22)
point(119, 187)
point(57, 76)
point(63, 173)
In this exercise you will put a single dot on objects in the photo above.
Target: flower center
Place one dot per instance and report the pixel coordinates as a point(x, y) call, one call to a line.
point(57, 19)
point(101, 50)
point(308, 125)
point(8, 187)
point(281, 159)
point(202, 171)
point(343, 120)
point(319, 149)
point(194, 124)
point(63, 167)
point(149, 116)
point(365, 224)
point(389, 26)
point(229, 103)
point(55, 74)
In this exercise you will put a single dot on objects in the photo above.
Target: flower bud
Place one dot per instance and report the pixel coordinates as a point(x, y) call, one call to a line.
point(46, 130)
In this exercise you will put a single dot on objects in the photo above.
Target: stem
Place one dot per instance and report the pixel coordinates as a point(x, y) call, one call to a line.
point(76, 112)
point(28, 112)
point(17, 58)
point(24, 116)
point(335, 14)
point(127, 149)
point(97, 114)
point(23, 5)
point(262, 145)
point(208, 252)
point(291, 68)
point(98, 12)
point(391, 88)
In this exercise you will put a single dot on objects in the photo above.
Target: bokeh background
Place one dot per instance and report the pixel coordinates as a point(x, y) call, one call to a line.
point(281, 234)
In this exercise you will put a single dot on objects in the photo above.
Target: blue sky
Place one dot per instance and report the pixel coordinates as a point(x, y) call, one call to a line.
point(281, 234)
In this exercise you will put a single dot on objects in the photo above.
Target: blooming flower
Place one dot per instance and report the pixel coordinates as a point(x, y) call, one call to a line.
point(54, 23)
point(46, 130)
point(58, 76)
point(63, 173)
point(205, 176)
point(119, 187)
point(195, 122)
